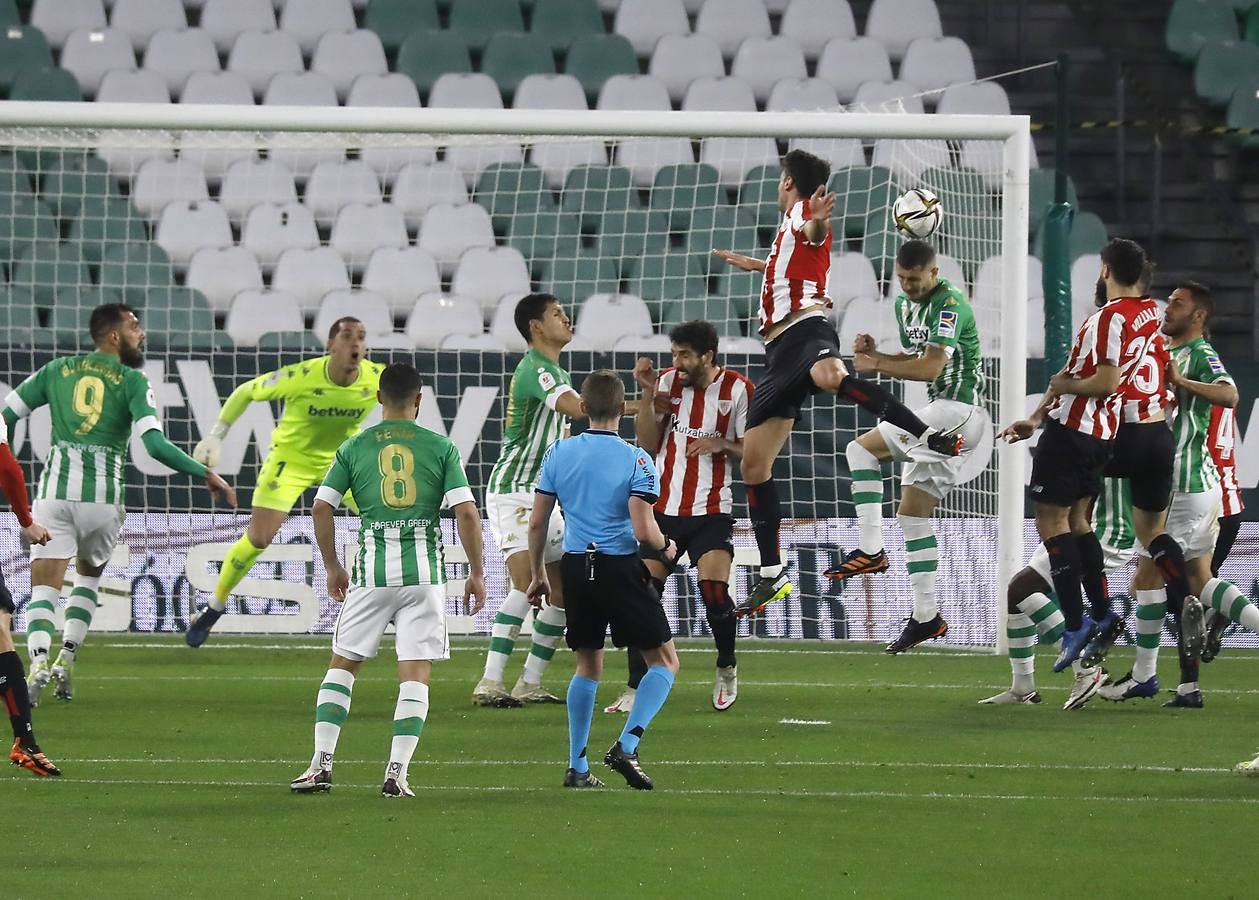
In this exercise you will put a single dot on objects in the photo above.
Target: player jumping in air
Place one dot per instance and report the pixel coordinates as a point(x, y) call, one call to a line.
point(802, 357)
point(937, 330)
point(97, 401)
point(325, 401)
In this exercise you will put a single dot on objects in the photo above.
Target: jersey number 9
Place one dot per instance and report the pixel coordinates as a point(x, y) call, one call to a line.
point(89, 401)
point(397, 476)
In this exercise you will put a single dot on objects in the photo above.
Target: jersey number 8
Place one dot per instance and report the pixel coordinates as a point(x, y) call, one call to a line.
point(89, 401)
point(397, 476)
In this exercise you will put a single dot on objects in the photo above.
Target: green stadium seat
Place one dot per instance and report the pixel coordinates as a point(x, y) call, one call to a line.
point(22, 49)
point(1088, 235)
point(657, 277)
point(743, 291)
point(103, 222)
point(15, 178)
point(971, 241)
point(68, 318)
point(509, 58)
point(541, 235)
point(47, 268)
point(726, 228)
point(427, 55)
point(718, 310)
point(1243, 112)
point(861, 191)
point(180, 318)
point(590, 191)
point(9, 16)
point(1041, 197)
point(132, 268)
point(879, 242)
point(1221, 67)
point(758, 197)
point(594, 59)
point(74, 178)
point(560, 22)
point(45, 84)
point(1250, 24)
point(476, 21)
point(576, 277)
point(18, 308)
point(1193, 23)
point(23, 221)
point(678, 192)
point(508, 189)
point(624, 235)
point(961, 191)
point(289, 342)
point(393, 20)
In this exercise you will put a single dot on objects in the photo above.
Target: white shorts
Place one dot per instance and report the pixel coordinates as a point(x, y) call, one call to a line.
point(86, 531)
point(1193, 522)
point(938, 476)
point(418, 614)
point(1113, 559)
point(509, 522)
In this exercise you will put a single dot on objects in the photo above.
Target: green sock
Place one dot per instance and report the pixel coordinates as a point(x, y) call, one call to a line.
point(239, 560)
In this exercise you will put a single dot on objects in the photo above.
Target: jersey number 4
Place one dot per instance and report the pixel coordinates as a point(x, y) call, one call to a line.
point(397, 476)
point(89, 402)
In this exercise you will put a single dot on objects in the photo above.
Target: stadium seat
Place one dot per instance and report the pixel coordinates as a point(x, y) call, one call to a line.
point(184, 227)
point(99, 225)
point(45, 84)
point(475, 22)
point(21, 50)
point(222, 273)
point(68, 181)
point(309, 20)
point(591, 191)
point(419, 187)
point(368, 307)
point(1085, 270)
point(360, 228)
point(1243, 112)
point(986, 159)
point(427, 55)
point(448, 230)
point(1222, 67)
point(907, 160)
point(344, 56)
point(307, 273)
point(258, 312)
point(261, 55)
point(848, 63)
point(594, 59)
point(393, 20)
point(1191, 24)
point(176, 54)
point(758, 197)
point(560, 22)
point(989, 290)
point(813, 23)
point(557, 158)
point(951, 269)
point(57, 19)
point(300, 89)
point(680, 59)
point(231, 88)
point(645, 157)
point(1041, 196)
point(249, 182)
point(865, 315)
point(226, 20)
point(851, 276)
point(579, 275)
point(132, 267)
point(15, 178)
point(895, 23)
point(334, 184)
point(624, 235)
point(163, 181)
point(509, 190)
point(733, 158)
point(987, 99)
point(730, 22)
point(764, 61)
point(400, 274)
point(436, 316)
point(292, 342)
point(89, 54)
point(549, 91)
point(605, 318)
point(801, 95)
point(179, 318)
point(486, 273)
point(970, 242)
point(721, 227)
point(509, 58)
point(888, 97)
point(139, 20)
point(661, 277)
point(649, 344)
point(720, 311)
point(21, 315)
point(1088, 234)
point(482, 343)
point(272, 228)
point(137, 86)
point(643, 22)
point(46, 267)
point(679, 191)
point(935, 63)
point(389, 89)
point(503, 325)
point(841, 153)
point(1035, 324)
point(721, 93)
point(633, 92)
point(9, 15)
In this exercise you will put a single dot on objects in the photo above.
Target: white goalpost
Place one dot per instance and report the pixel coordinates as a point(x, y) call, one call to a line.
point(238, 231)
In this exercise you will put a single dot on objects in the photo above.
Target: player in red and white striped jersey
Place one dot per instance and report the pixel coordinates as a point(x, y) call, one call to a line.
point(692, 417)
point(1220, 441)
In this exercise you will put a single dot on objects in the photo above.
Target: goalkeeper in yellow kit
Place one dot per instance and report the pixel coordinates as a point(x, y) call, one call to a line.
point(325, 402)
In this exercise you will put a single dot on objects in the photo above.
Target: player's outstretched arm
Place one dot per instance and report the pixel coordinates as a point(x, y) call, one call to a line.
point(904, 366)
point(468, 523)
point(162, 450)
point(739, 261)
point(267, 386)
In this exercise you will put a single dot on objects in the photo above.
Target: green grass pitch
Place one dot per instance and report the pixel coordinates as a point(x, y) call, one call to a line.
point(177, 765)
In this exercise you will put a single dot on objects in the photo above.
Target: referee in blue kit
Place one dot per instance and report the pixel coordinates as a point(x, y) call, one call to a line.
point(606, 488)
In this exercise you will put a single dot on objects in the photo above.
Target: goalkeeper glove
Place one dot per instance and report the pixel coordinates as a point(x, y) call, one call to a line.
point(207, 450)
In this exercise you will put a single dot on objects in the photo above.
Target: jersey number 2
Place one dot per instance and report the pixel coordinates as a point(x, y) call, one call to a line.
point(397, 476)
point(89, 402)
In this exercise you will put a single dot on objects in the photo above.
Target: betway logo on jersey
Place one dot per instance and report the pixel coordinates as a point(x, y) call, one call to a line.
point(335, 412)
point(918, 334)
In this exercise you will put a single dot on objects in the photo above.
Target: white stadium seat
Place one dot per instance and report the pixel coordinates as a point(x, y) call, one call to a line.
point(437, 316)
point(544, 90)
point(644, 343)
point(140, 19)
point(1084, 274)
point(888, 97)
point(89, 53)
point(177, 54)
point(369, 308)
point(485, 343)
point(985, 158)
point(848, 63)
point(557, 158)
point(257, 312)
point(307, 273)
point(724, 94)
point(248, 182)
point(866, 315)
point(644, 157)
point(261, 55)
point(389, 89)
point(309, 20)
point(334, 184)
point(476, 91)
point(136, 86)
point(400, 275)
point(300, 89)
point(225, 20)
point(633, 92)
point(57, 19)
point(851, 275)
point(812, 23)
point(503, 324)
point(643, 22)
point(907, 160)
point(801, 95)
point(343, 56)
point(733, 158)
point(934, 63)
point(486, 273)
point(360, 228)
point(679, 59)
point(729, 22)
point(448, 230)
point(220, 273)
point(763, 61)
point(895, 23)
point(986, 99)
point(420, 186)
point(187, 226)
point(839, 152)
point(272, 228)
point(231, 88)
point(159, 182)
point(603, 319)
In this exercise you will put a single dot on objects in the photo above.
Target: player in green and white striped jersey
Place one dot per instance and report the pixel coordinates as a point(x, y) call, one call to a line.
point(941, 344)
point(401, 476)
point(540, 402)
point(97, 402)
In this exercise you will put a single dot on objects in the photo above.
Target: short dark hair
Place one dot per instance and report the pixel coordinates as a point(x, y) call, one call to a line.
point(1147, 278)
point(531, 308)
point(105, 318)
point(603, 393)
point(399, 383)
point(336, 326)
point(1126, 260)
point(697, 334)
point(915, 254)
point(1201, 295)
point(808, 172)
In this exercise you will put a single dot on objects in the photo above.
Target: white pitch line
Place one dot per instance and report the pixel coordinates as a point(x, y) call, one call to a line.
point(961, 653)
point(804, 721)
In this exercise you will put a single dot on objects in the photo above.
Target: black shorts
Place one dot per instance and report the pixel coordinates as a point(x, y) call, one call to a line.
point(6, 599)
point(618, 596)
point(697, 535)
point(1067, 466)
point(786, 383)
point(1145, 453)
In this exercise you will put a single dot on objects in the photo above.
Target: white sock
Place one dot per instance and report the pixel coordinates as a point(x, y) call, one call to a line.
point(548, 628)
point(331, 709)
point(504, 633)
point(409, 716)
point(1228, 600)
point(1021, 638)
point(40, 621)
point(770, 571)
point(79, 611)
point(922, 556)
point(1187, 688)
point(1151, 610)
point(867, 495)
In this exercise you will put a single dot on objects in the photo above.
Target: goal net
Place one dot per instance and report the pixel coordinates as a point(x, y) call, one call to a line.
point(241, 234)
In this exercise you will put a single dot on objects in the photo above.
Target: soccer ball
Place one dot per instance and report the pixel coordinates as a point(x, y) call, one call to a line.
point(917, 213)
